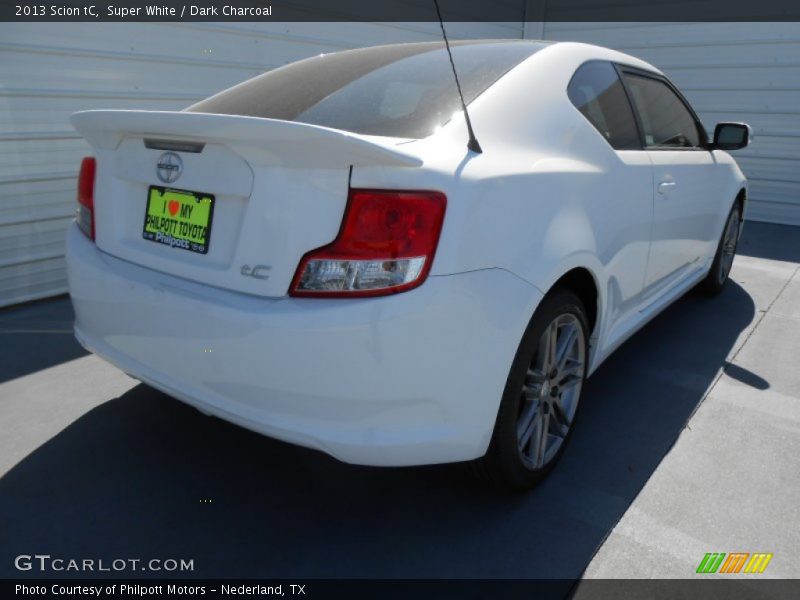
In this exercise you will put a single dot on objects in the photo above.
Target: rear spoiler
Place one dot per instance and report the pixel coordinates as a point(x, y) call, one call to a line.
point(259, 141)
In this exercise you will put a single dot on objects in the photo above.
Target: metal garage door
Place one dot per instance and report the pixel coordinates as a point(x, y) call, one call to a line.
point(729, 72)
point(50, 70)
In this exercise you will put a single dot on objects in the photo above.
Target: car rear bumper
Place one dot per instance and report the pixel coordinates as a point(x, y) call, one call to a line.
point(414, 378)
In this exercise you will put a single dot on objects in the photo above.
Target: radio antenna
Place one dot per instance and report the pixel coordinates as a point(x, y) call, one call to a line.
point(472, 144)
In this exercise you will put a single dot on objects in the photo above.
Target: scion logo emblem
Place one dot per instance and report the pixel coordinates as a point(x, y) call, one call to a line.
point(169, 167)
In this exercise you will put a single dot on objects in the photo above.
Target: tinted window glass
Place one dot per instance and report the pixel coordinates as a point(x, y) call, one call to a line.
point(597, 92)
point(405, 90)
point(665, 119)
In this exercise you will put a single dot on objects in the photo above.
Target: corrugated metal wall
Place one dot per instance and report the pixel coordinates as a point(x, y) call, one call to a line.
point(729, 72)
point(50, 70)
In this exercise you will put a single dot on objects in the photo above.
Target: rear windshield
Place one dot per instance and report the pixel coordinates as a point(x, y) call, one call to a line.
point(405, 90)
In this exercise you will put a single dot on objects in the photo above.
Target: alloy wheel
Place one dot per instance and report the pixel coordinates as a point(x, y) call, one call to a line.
point(729, 242)
point(551, 391)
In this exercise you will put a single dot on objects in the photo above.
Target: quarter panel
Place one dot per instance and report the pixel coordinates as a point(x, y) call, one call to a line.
point(547, 194)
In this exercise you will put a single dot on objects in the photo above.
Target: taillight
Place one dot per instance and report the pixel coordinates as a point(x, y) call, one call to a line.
point(385, 246)
point(85, 215)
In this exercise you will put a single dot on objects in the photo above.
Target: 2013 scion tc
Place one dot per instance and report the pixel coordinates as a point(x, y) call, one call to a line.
point(318, 254)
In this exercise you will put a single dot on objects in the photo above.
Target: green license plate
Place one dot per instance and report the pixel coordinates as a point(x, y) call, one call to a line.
point(178, 218)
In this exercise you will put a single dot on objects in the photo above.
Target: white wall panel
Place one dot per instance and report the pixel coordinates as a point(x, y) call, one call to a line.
point(50, 70)
point(729, 71)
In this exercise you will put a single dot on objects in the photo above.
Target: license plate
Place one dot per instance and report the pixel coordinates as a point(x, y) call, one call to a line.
point(178, 218)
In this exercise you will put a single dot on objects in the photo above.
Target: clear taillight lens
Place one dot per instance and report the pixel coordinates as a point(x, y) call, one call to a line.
point(85, 216)
point(385, 246)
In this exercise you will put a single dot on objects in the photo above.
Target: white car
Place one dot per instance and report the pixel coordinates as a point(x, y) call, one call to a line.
point(317, 255)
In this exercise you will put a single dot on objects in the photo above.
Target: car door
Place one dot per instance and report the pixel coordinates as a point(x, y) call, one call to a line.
point(684, 210)
point(621, 210)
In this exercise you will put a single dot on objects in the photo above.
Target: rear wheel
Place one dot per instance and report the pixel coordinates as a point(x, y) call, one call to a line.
point(723, 260)
point(540, 401)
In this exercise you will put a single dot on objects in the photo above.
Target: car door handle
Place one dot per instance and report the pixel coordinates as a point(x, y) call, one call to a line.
point(665, 187)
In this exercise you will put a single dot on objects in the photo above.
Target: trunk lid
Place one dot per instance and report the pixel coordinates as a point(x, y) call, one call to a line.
point(279, 190)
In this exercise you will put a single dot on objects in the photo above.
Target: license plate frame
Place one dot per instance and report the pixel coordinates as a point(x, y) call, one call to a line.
point(175, 229)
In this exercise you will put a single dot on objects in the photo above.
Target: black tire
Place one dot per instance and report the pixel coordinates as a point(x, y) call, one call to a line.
point(717, 276)
point(505, 463)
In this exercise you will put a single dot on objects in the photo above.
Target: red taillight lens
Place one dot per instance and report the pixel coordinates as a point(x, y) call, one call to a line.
point(386, 245)
point(85, 215)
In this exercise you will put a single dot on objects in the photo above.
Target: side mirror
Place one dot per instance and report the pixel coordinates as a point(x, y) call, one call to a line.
point(731, 136)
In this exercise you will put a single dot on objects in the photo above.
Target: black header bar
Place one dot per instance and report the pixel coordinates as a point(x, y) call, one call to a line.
point(401, 10)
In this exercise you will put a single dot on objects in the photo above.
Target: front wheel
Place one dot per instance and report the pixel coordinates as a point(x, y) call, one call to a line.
point(540, 401)
point(726, 250)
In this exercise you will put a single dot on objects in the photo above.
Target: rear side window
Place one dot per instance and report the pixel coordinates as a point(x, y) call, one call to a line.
point(665, 119)
point(405, 90)
point(597, 92)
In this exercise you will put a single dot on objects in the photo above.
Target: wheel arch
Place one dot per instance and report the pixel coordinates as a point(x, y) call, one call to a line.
point(741, 199)
point(581, 282)
point(583, 278)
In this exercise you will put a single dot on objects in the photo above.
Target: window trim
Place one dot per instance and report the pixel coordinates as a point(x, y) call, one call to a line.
point(636, 123)
point(622, 69)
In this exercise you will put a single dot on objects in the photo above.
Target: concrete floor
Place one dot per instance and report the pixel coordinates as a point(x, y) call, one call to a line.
point(688, 442)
